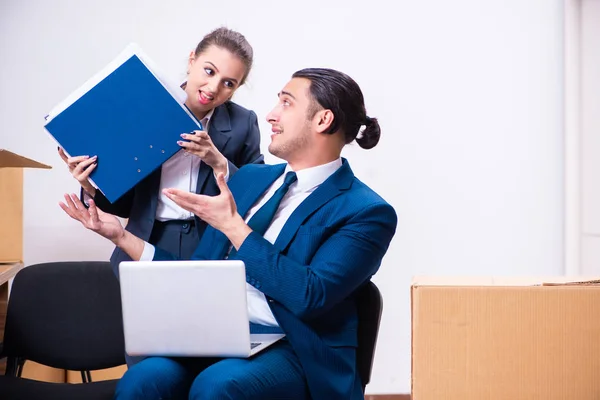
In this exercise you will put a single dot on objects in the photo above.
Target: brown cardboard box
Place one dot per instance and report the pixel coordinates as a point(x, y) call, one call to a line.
point(501, 338)
point(11, 204)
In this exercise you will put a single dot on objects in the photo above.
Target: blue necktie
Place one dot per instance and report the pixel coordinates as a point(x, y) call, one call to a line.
point(261, 220)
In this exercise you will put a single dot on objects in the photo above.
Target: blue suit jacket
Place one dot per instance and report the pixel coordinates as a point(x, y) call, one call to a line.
point(331, 245)
point(233, 130)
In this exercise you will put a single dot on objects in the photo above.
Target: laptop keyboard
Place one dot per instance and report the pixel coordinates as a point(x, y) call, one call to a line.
point(254, 344)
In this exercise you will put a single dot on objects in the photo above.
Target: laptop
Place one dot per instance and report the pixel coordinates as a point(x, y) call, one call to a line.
point(188, 309)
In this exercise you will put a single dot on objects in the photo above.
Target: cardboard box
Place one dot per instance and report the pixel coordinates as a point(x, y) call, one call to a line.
point(502, 338)
point(11, 204)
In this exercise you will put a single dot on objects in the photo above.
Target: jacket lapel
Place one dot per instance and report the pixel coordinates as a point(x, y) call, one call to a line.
point(247, 194)
point(340, 181)
point(219, 124)
point(252, 191)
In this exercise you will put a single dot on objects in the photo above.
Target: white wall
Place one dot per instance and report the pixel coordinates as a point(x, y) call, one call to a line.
point(590, 135)
point(468, 93)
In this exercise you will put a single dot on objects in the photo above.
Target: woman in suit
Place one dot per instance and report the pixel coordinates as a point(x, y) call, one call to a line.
point(216, 69)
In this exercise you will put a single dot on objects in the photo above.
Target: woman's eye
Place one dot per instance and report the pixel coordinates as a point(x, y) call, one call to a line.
point(209, 71)
point(228, 84)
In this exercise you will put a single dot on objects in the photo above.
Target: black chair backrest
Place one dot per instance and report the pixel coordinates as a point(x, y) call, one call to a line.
point(66, 315)
point(370, 305)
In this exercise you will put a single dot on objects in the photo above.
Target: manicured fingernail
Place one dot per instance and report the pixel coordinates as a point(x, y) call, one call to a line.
point(183, 135)
point(180, 142)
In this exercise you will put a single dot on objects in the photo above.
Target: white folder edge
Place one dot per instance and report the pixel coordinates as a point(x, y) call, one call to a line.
point(132, 49)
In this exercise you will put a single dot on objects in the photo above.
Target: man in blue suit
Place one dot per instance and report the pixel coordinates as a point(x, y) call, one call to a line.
point(310, 234)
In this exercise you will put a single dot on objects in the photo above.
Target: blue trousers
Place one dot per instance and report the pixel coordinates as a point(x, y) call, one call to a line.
point(273, 374)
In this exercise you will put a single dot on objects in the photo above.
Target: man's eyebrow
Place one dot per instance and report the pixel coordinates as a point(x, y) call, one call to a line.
point(283, 92)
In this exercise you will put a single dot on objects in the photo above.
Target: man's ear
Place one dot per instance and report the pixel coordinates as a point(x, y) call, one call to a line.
point(323, 120)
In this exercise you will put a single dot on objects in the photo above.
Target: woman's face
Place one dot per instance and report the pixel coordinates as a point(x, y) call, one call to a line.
point(213, 77)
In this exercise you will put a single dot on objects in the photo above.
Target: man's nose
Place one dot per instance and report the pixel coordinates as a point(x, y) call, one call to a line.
point(272, 116)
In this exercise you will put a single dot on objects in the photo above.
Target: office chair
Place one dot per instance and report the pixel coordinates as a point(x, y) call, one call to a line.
point(370, 305)
point(65, 315)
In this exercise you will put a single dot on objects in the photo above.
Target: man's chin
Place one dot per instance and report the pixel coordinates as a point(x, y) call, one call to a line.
point(274, 150)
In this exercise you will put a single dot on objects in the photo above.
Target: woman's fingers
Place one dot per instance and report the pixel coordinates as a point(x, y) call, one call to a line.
point(78, 204)
point(198, 143)
point(203, 135)
point(86, 173)
point(197, 137)
point(93, 210)
point(81, 170)
point(70, 208)
point(62, 155)
point(66, 208)
point(73, 161)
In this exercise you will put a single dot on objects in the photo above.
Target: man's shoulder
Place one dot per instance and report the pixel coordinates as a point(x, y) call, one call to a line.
point(248, 173)
point(359, 188)
point(361, 198)
point(258, 168)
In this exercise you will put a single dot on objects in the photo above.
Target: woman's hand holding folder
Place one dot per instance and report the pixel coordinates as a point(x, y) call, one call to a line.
point(201, 145)
point(81, 167)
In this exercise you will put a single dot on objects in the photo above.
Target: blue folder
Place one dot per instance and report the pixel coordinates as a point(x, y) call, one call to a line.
point(130, 121)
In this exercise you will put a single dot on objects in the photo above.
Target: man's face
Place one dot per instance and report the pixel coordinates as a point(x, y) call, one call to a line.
point(292, 135)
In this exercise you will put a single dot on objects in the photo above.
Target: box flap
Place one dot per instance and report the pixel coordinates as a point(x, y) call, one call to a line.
point(503, 280)
point(11, 160)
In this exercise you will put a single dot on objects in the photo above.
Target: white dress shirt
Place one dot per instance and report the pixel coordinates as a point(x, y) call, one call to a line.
point(179, 172)
point(308, 180)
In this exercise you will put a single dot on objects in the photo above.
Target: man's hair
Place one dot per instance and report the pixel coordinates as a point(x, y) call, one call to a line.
point(336, 91)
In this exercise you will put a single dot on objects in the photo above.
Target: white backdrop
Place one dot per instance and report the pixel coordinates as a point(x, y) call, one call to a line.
point(468, 93)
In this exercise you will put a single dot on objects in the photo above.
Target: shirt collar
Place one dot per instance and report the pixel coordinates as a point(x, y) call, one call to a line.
point(310, 178)
point(206, 119)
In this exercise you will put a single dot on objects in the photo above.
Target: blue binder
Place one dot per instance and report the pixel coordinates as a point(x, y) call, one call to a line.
point(129, 120)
